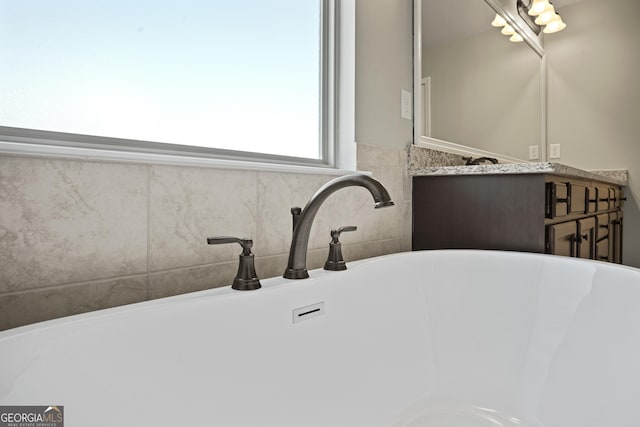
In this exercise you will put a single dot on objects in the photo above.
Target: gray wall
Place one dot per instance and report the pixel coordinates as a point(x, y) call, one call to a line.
point(473, 82)
point(594, 96)
point(384, 66)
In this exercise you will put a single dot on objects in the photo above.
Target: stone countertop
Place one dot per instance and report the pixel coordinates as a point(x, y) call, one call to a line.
point(619, 177)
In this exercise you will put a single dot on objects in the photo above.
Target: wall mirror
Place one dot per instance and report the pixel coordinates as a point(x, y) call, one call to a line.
point(478, 93)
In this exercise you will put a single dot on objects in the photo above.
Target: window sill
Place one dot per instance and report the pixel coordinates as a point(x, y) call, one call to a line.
point(90, 154)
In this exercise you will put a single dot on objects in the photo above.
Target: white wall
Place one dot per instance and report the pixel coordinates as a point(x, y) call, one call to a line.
point(594, 96)
point(384, 66)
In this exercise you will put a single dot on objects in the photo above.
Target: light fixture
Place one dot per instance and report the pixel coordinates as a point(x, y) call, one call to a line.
point(537, 7)
point(545, 16)
point(555, 25)
point(508, 30)
point(498, 21)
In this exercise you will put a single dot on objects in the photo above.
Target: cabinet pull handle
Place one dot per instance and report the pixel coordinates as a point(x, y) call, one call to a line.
point(574, 243)
point(563, 200)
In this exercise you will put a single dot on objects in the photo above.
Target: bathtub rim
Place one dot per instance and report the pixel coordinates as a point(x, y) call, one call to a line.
point(277, 283)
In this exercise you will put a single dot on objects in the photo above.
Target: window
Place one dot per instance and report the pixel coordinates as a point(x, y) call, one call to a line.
point(212, 77)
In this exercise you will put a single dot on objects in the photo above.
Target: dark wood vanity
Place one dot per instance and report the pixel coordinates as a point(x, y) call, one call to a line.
point(536, 212)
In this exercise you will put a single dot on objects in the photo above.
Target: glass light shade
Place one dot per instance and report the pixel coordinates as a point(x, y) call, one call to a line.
point(516, 38)
point(555, 25)
point(547, 16)
point(508, 30)
point(498, 21)
point(537, 7)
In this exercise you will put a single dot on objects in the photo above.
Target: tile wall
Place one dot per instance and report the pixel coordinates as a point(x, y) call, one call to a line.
point(77, 236)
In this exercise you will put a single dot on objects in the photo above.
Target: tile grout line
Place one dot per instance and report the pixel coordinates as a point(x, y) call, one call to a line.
point(72, 284)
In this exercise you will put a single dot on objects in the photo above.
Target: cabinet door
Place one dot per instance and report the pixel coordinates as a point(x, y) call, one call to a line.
point(602, 250)
point(587, 238)
point(615, 228)
point(562, 238)
point(602, 222)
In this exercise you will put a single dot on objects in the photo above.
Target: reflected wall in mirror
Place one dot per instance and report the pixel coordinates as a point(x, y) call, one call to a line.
point(479, 89)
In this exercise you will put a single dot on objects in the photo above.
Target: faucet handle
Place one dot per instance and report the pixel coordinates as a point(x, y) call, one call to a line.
point(335, 234)
point(246, 244)
point(246, 278)
point(335, 261)
point(295, 215)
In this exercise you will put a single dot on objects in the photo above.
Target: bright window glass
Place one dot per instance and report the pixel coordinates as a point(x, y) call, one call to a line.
point(234, 75)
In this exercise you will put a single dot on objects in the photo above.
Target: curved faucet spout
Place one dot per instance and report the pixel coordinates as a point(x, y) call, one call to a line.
point(297, 266)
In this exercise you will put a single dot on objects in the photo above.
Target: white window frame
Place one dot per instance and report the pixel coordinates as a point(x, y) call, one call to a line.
point(337, 133)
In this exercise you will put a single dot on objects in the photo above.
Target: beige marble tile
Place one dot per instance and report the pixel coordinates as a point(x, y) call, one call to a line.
point(369, 156)
point(407, 227)
point(189, 204)
point(37, 305)
point(347, 206)
point(277, 194)
point(70, 221)
point(390, 222)
point(407, 185)
point(372, 249)
point(180, 281)
point(271, 266)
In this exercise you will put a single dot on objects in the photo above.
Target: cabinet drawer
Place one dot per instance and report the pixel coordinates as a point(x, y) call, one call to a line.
point(592, 199)
point(616, 197)
point(602, 192)
point(578, 199)
point(562, 238)
point(557, 199)
point(602, 250)
point(602, 221)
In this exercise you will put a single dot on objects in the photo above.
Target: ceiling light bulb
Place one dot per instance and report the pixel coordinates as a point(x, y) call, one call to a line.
point(516, 38)
point(537, 7)
point(498, 21)
point(555, 25)
point(508, 30)
point(547, 16)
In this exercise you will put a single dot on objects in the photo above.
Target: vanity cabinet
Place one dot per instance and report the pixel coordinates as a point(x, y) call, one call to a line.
point(542, 213)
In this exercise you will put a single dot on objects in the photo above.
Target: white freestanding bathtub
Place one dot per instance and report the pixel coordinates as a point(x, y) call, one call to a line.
point(433, 338)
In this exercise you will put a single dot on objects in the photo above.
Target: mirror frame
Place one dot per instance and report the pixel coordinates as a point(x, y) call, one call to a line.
point(534, 43)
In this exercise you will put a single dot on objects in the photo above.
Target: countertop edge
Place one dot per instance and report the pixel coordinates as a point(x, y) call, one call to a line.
point(613, 176)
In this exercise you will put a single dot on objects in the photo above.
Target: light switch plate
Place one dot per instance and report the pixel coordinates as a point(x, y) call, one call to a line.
point(534, 152)
point(554, 151)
